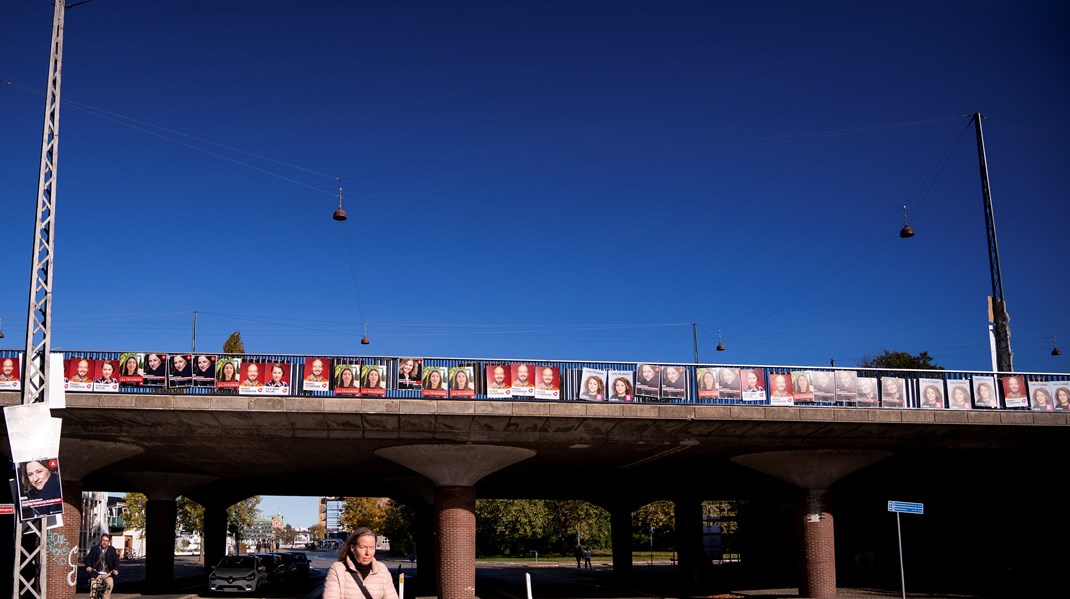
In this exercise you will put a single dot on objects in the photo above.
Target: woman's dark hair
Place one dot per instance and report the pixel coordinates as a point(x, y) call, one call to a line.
point(363, 531)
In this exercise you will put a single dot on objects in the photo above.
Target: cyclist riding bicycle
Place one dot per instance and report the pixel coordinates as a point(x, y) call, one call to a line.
point(102, 563)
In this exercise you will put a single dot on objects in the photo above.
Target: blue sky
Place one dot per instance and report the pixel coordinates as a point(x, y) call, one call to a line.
point(545, 180)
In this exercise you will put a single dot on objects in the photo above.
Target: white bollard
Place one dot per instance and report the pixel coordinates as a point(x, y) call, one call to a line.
point(401, 585)
point(527, 578)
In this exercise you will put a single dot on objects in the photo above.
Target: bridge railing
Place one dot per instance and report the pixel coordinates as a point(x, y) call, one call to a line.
point(474, 378)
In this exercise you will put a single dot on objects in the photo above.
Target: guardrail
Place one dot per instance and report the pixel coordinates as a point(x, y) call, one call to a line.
point(404, 377)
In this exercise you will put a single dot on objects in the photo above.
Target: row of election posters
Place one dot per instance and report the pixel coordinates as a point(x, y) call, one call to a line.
point(352, 377)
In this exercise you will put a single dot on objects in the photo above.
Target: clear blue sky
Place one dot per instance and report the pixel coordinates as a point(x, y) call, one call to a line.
point(545, 180)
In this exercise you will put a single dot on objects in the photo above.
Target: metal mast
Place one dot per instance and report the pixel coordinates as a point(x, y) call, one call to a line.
point(30, 565)
point(1000, 317)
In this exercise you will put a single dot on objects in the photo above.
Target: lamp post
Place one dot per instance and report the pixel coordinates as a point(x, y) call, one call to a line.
point(999, 329)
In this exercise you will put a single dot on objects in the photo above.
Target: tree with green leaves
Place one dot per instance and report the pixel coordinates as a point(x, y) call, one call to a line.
point(513, 527)
point(135, 510)
point(399, 526)
point(190, 515)
point(363, 511)
point(234, 344)
point(900, 360)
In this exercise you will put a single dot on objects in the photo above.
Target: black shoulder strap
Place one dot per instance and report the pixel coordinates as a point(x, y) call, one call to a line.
point(360, 583)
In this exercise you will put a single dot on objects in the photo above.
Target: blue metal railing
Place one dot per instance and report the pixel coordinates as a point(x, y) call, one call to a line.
point(848, 390)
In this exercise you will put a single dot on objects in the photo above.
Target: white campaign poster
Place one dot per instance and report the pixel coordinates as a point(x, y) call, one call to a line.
point(593, 384)
point(621, 385)
point(931, 394)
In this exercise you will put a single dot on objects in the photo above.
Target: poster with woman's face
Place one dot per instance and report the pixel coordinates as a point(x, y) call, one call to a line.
point(984, 391)
point(105, 376)
point(674, 382)
point(621, 385)
point(867, 396)
point(958, 395)
point(1041, 396)
point(824, 386)
point(204, 370)
point(893, 392)
point(39, 488)
point(130, 369)
point(729, 385)
point(462, 381)
point(347, 379)
point(846, 386)
point(436, 380)
point(648, 381)
point(706, 382)
point(410, 375)
point(593, 384)
point(931, 393)
point(499, 384)
point(373, 380)
point(228, 373)
point(802, 386)
point(154, 370)
point(278, 378)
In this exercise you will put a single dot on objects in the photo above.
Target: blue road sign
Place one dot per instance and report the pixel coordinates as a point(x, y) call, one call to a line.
point(906, 507)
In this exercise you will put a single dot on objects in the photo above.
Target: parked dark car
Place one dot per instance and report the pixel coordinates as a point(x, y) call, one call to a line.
point(287, 564)
point(276, 572)
point(301, 566)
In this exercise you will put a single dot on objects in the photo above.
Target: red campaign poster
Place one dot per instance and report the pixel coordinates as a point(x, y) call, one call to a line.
point(548, 382)
point(278, 378)
point(499, 384)
point(780, 389)
point(105, 376)
point(317, 375)
point(78, 373)
point(9, 374)
point(523, 379)
point(252, 378)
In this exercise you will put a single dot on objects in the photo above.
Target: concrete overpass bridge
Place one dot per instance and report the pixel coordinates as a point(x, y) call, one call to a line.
point(796, 466)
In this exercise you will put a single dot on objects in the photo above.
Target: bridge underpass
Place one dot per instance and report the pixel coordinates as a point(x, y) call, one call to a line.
point(220, 449)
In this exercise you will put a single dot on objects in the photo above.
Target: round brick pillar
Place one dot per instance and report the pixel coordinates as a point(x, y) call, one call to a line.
point(61, 546)
point(818, 567)
point(455, 515)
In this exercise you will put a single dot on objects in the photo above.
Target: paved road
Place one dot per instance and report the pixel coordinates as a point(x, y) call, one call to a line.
point(502, 580)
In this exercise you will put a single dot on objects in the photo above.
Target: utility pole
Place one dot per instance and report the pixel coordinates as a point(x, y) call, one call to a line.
point(30, 565)
point(999, 316)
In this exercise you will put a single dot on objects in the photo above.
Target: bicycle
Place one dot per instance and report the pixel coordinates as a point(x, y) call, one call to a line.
point(98, 584)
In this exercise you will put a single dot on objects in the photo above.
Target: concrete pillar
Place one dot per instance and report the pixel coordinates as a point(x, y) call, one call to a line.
point(426, 582)
point(60, 549)
point(160, 517)
point(454, 470)
point(455, 515)
point(620, 524)
point(818, 546)
point(215, 535)
point(690, 553)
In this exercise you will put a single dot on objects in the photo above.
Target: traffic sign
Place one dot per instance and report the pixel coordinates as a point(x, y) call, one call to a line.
point(906, 507)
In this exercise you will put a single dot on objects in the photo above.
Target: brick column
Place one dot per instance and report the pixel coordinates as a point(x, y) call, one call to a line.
point(160, 516)
point(456, 524)
point(818, 547)
point(61, 545)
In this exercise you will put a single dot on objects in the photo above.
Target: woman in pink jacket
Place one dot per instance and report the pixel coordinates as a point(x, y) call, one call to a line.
point(356, 560)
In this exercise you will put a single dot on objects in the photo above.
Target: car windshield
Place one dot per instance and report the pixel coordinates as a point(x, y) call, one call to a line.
point(237, 562)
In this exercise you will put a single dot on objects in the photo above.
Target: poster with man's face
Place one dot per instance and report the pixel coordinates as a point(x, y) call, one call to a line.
point(548, 382)
point(317, 375)
point(499, 383)
point(79, 374)
point(523, 376)
point(9, 374)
